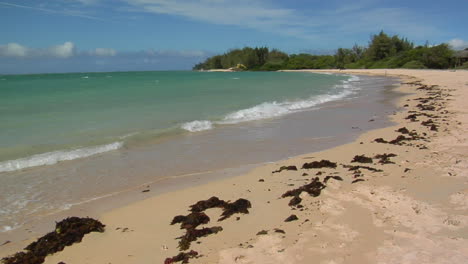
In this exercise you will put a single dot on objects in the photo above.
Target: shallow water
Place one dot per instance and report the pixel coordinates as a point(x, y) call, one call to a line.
point(29, 194)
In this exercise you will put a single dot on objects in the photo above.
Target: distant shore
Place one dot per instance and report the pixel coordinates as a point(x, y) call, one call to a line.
point(396, 195)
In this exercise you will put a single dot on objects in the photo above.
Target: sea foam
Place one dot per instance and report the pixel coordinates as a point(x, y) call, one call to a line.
point(54, 157)
point(275, 109)
point(197, 125)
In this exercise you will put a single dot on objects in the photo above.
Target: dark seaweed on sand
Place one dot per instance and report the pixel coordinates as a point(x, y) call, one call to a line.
point(67, 232)
point(385, 158)
point(197, 217)
point(182, 256)
point(362, 159)
point(319, 164)
point(313, 188)
point(282, 168)
point(355, 168)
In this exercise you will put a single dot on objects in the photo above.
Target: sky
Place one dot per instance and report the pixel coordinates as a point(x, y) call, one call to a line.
point(131, 35)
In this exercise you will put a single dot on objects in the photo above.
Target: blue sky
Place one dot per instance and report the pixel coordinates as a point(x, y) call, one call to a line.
point(119, 35)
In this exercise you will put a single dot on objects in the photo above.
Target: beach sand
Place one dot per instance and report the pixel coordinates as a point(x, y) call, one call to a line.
point(415, 210)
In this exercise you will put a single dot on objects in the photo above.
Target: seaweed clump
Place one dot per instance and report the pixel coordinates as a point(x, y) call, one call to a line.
point(282, 168)
point(197, 217)
point(362, 159)
point(385, 158)
point(313, 189)
point(67, 232)
point(182, 256)
point(319, 164)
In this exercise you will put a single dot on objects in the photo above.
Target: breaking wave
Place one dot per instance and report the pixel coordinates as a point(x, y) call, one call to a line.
point(54, 157)
point(274, 109)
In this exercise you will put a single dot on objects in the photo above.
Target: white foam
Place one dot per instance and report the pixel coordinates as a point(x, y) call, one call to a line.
point(54, 157)
point(275, 109)
point(85, 77)
point(261, 111)
point(6, 228)
point(197, 125)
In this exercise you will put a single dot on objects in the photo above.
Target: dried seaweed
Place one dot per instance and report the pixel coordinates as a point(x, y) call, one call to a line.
point(338, 178)
point(282, 168)
point(385, 158)
point(356, 168)
point(319, 164)
point(362, 159)
point(67, 232)
point(184, 257)
point(291, 218)
point(239, 206)
point(313, 188)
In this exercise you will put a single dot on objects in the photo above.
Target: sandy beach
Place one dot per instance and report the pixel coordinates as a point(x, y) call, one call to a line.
point(394, 195)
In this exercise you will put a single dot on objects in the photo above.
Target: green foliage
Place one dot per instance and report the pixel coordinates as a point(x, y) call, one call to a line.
point(384, 51)
point(463, 66)
point(414, 64)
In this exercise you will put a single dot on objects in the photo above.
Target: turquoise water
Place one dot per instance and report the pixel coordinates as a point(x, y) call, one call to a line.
point(48, 118)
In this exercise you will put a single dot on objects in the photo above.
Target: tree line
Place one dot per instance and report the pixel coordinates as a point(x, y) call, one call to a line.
point(383, 51)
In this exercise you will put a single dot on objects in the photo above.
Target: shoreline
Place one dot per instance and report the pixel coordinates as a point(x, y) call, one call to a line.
point(346, 222)
point(286, 136)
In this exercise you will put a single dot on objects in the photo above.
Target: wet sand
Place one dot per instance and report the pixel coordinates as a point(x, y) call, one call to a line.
point(412, 211)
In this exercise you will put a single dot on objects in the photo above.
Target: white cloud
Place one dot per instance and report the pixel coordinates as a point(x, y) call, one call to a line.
point(311, 24)
point(248, 13)
point(62, 51)
point(88, 2)
point(177, 53)
point(65, 12)
point(458, 44)
point(13, 50)
point(103, 52)
point(65, 50)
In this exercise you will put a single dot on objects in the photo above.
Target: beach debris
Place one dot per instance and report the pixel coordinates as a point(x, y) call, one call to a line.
point(313, 188)
point(146, 190)
point(282, 168)
point(357, 180)
point(412, 117)
point(67, 232)
point(182, 257)
point(281, 231)
point(358, 167)
point(385, 158)
point(6, 242)
point(397, 141)
point(193, 234)
point(362, 159)
point(261, 180)
point(426, 107)
point(291, 218)
point(338, 178)
point(212, 202)
point(263, 232)
point(319, 164)
point(191, 220)
point(197, 217)
point(305, 174)
point(380, 140)
point(407, 169)
point(403, 130)
point(295, 201)
point(239, 206)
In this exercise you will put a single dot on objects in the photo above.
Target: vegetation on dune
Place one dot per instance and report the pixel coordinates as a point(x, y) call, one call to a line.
point(383, 51)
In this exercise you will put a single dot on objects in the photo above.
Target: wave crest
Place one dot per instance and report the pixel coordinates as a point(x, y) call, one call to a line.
point(54, 157)
point(197, 125)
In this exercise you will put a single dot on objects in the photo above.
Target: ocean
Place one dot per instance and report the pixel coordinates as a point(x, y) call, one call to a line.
point(67, 139)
